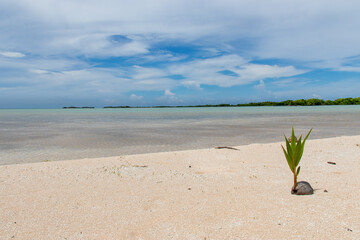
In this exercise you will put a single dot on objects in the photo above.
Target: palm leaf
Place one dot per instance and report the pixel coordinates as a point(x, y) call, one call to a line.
point(307, 135)
point(288, 147)
point(298, 152)
point(293, 141)
point(303, 143)
point(289, 159)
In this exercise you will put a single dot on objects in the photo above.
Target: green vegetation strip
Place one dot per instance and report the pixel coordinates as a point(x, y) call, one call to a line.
point(299, 102)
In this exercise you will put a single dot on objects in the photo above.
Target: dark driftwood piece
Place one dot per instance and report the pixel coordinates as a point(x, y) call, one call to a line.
point(228, 148)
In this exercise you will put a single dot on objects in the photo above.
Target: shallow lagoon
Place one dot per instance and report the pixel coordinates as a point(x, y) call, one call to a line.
point(31, 135)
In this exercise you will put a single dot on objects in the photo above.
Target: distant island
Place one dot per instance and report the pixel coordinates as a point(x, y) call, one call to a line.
point(119, 107)
point(299, 102)
point(72, 107)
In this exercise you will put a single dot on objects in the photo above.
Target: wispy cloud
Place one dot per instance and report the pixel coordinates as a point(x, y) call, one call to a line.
point(210, 71)
point(12, 54)
point(333, 90)
point(97, 45)
point(348, 68)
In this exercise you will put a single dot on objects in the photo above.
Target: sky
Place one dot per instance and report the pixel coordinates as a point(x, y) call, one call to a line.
point(180, 52)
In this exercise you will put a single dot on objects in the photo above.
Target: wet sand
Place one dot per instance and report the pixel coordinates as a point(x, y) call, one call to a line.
point(195, 194)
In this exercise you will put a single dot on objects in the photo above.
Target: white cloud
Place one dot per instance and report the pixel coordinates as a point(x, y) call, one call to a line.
point(261, 84)
point(12, 54)
point(169, 98)
point(191, 84)
point(168, 93)
point(134, 97)
point(162, 56)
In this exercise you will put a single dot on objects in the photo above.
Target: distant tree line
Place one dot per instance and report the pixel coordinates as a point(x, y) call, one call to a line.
point(299, 102)
point(307, 102)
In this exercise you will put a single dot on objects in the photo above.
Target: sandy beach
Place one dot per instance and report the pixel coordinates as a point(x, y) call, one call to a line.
point(195, 194)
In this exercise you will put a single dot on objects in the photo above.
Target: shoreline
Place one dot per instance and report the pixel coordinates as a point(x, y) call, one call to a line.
point(171, 151)
point(193, 194)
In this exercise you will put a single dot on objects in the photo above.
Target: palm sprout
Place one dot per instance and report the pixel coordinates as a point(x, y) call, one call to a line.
point(294, 152)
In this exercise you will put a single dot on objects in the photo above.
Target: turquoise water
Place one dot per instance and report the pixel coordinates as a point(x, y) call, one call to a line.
point(28, 135)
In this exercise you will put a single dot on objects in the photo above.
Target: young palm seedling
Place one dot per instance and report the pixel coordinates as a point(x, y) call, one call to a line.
point(293, 153)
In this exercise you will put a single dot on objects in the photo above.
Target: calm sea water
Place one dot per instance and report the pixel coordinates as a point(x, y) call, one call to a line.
point(31, 135)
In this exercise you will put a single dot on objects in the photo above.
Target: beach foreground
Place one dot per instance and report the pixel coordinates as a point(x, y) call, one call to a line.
point(195, 194)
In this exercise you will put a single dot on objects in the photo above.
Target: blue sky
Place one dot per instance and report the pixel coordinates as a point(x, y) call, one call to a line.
point(142, 53)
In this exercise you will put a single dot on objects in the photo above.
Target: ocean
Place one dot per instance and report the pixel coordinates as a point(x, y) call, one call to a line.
point(34, 135)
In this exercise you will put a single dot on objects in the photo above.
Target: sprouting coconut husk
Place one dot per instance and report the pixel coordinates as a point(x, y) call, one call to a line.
point(302, 188)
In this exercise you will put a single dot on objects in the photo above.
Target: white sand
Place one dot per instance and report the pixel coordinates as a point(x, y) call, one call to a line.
point(225, 194)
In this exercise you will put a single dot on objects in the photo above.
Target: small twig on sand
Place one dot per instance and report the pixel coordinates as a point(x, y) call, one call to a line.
point(228, 148)
point(333, 163)
point(140, 166)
